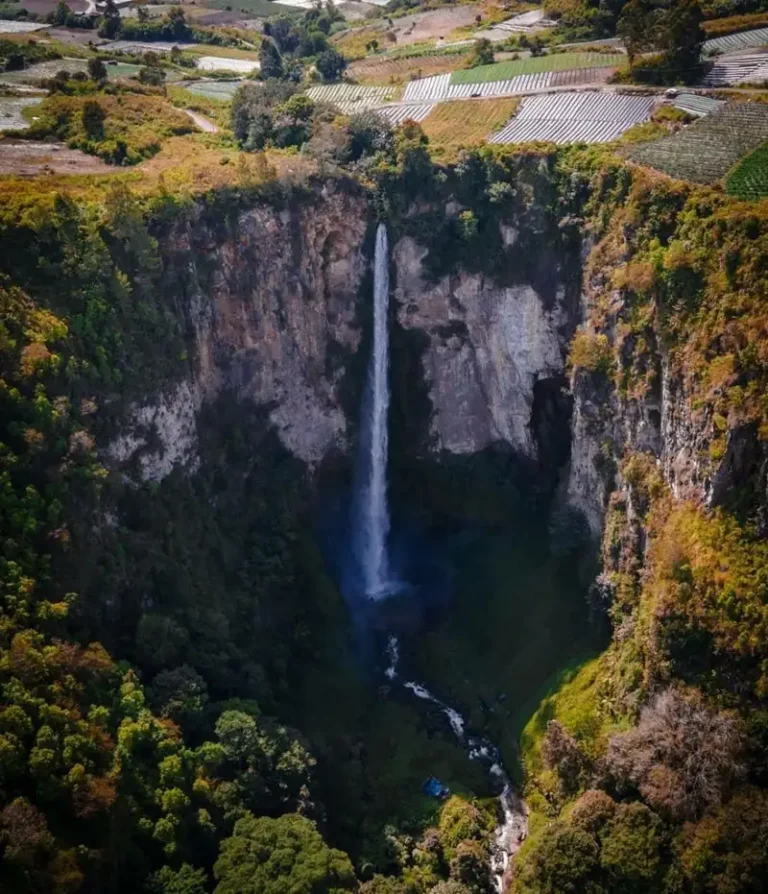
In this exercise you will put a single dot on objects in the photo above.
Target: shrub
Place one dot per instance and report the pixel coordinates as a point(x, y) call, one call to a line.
point(682, 757)
point(592, 352)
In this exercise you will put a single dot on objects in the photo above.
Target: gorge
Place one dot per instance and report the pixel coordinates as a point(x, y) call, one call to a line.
point(560, 490)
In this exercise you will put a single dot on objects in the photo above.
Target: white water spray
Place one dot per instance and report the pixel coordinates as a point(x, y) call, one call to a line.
point(373, 512)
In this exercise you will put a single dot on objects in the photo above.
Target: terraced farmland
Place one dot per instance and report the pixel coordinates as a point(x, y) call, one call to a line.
point(214, 89)
point(740, 41)
point(350, 98)
point(398, 113)
point(575, 118)
point(394, 70)
point(706, 150)
point(454, 124)
point(501, 71)
point(749, 179)
point(753, 68)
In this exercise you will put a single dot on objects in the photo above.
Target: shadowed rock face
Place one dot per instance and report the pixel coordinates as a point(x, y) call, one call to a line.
point(488, 346)
point(267, 300)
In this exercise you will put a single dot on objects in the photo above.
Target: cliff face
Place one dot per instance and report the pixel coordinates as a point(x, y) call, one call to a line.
point(269, 302)
point(488, 345)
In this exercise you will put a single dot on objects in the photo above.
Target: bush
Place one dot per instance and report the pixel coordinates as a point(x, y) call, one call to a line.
point(330, 63)
point(682, 757)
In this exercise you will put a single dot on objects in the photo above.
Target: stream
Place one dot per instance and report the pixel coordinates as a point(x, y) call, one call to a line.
point(513, 826)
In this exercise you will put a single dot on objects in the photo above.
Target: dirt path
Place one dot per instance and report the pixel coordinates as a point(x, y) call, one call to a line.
point(25, 158)
point(203, 123)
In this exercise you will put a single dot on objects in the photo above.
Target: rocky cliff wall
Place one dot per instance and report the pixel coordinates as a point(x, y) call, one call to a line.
point(270, 299)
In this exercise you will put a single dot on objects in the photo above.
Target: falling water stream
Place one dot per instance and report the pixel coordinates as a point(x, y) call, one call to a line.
point(373, 512)
point(377, 581)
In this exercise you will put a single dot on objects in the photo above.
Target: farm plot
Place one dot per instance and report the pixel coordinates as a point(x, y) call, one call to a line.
point(12, 111)
point(10, 27)
point(501, 71)
point(440, 87)
point(42, 71)
point(394, 70)
point(749, 179)
point(696, 105)
point(706, 150)
point(578, 77)
point(575, 118)
point(454, 124)
point(398, 112)
point(219, 63)
point(27, 158)
point(525, 23)
point(350, 98)
point(260, 8)
point(214, 89)
point(736, 70)
point(741, 41)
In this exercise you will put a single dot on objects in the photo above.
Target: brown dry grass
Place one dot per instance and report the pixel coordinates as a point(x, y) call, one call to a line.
point(466, 123)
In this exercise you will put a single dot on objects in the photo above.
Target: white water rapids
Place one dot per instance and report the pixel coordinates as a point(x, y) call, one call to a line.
point(373, 512)
point(513, 828)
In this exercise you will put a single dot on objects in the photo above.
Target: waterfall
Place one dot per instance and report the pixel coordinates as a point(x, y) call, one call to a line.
point(372, 511)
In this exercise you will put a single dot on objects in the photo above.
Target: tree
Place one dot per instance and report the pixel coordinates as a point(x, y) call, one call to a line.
point(330, 63)
point(142, 13)
point(111, 22)
point(681, 37)
point(184, 880)
point(93, 117)
point(682, 757)
point(630, 849)
point(180, 694)
point(270, 61)
point(561, 753)
point(635, 28)
point(61, 13)
point(177, 21)
point(272, 856)
point(565, 860)
point(482, 53)
point(153, 77)
point(97, 70)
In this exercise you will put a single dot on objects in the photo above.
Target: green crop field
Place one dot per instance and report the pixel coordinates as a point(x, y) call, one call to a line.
point(502, 71)
point(708, 149)
point(262, 8)
point(749, 179)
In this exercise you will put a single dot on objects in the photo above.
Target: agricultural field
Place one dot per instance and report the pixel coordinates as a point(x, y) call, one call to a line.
point(12, 27)
point(350, 98)
point(259, 8)
point(42, 71)
point(433, 24)
point(395, 114)
point(12, 111)
point(395, 71)
point(213, 89)
point(743, 40)
point(739, 69)
point(575, 118)
point(26, 158)
point(221, 63)
point(501, 71)
point(749, 179)
point(706, 151)
point(455, 124)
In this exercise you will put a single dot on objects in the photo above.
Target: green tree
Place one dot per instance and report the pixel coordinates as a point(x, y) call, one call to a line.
point(273, 856)
point(565, 860)
point(184, 880)
point(330, 63)
point(97, 70)
point(482, 54)
point(110, 23)
point(61, 13)
point(270, 60)
point(631, 848)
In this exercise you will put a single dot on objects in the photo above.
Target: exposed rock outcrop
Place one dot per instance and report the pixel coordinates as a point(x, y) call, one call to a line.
point(267, 300)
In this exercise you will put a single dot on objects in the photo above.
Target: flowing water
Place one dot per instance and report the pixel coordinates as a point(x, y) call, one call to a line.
point(377, 581)
point(513, 826)
point(372, 510)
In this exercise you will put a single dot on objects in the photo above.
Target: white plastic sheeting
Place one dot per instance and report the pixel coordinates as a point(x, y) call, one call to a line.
point(575, 117)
